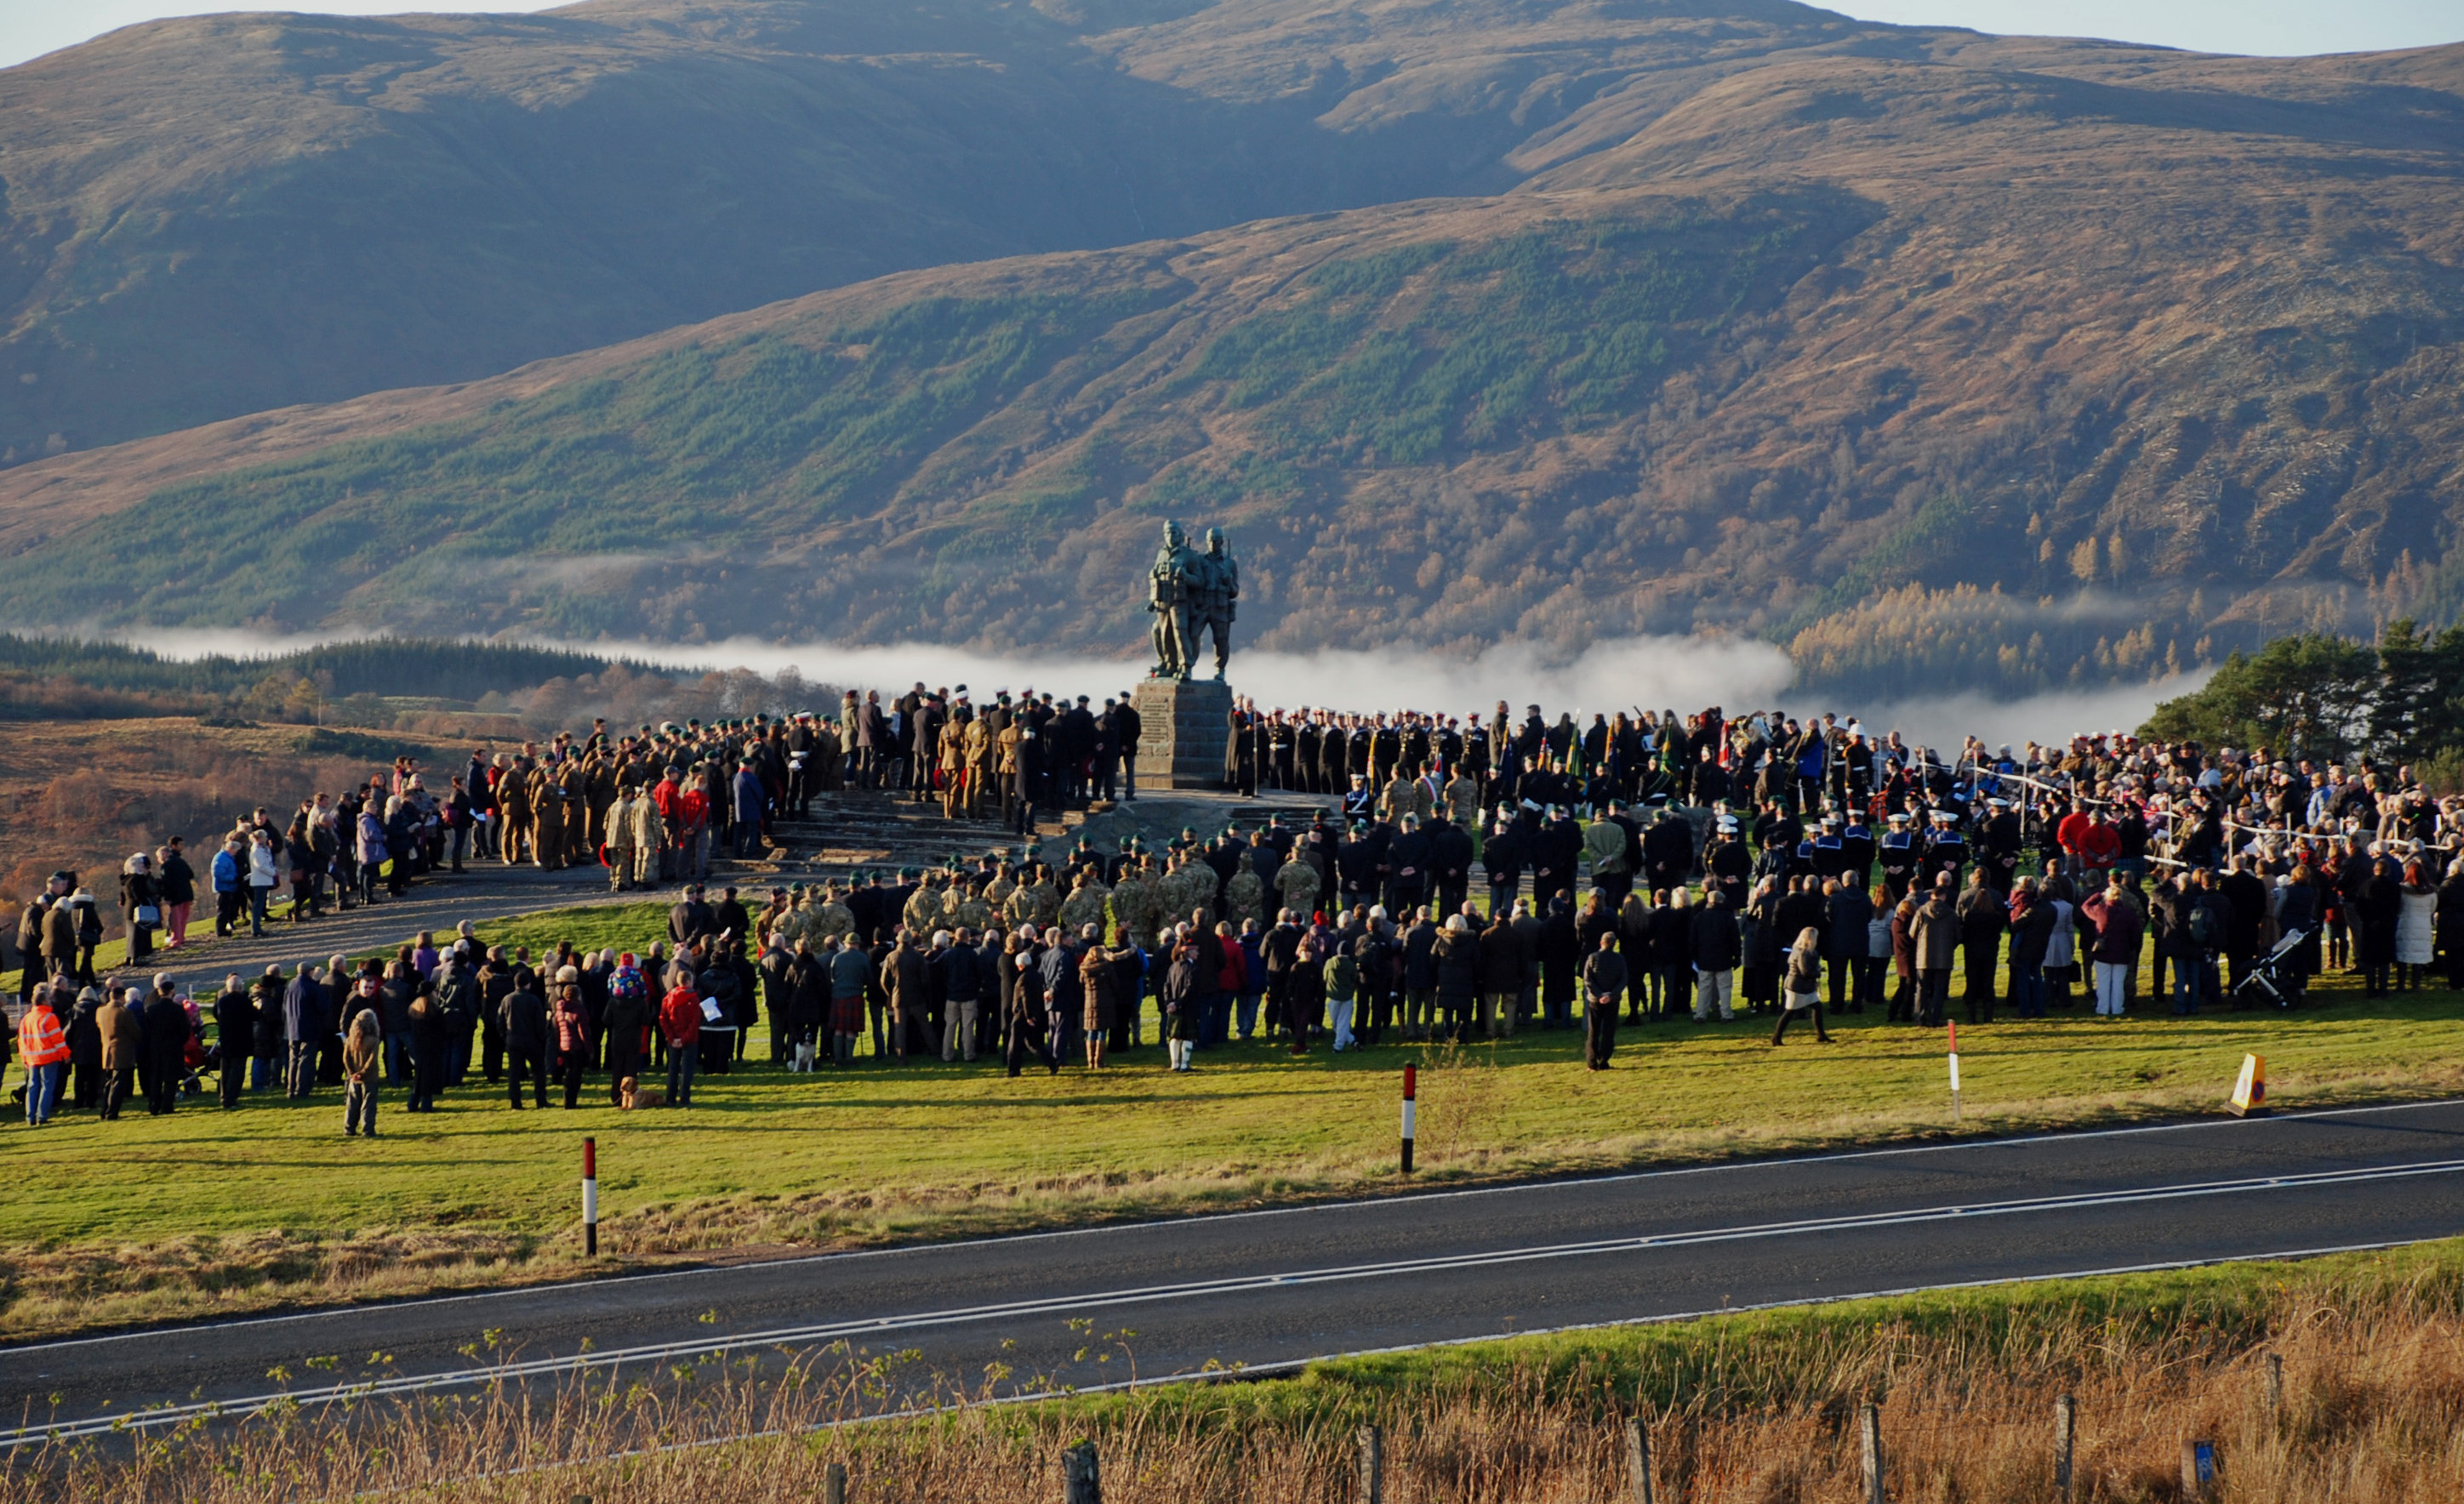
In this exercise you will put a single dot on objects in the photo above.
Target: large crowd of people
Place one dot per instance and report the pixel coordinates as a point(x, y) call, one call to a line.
point(1438, 878)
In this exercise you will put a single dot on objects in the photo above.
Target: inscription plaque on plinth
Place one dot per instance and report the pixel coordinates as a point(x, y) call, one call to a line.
point(1183, 728)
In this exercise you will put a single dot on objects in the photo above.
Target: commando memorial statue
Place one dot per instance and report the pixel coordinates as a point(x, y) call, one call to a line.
point(1190, 595)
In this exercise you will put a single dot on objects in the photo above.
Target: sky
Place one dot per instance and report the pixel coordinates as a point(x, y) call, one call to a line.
point(31, 28)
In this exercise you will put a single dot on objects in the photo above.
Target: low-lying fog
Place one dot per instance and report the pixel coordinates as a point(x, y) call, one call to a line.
point(1684, 674)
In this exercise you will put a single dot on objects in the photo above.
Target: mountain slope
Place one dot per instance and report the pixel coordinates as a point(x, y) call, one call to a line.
point(213, 216)
point(1945, 359)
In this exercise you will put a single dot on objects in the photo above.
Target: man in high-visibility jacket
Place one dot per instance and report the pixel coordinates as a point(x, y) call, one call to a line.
point(43, 1044)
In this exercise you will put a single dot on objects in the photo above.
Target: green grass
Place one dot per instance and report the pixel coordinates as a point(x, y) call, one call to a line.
point(874, 1152)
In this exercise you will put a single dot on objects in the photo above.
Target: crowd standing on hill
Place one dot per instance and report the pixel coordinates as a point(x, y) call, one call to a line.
point(1637, 870)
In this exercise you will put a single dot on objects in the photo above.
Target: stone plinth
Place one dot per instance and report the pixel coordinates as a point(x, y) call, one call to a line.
point(1183, 731)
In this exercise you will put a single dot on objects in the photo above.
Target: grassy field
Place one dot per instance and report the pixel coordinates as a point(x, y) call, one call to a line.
point(210, 1212)
point(2336, 1380)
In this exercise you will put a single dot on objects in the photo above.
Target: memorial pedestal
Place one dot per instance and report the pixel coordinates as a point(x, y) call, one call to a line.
point(1183, 729)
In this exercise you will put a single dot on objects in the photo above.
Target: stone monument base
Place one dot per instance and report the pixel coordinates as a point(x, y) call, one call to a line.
point(1183, 729)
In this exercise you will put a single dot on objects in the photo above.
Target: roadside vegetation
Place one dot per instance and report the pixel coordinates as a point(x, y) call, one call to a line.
point(2360, 1405)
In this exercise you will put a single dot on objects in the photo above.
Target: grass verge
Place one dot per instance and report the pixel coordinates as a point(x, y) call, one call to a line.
point(2359, 1407)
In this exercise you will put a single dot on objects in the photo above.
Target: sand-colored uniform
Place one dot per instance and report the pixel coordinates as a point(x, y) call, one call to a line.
point(619, 841)
point(513, 813)
point(547, 820)
point(953, 772)
point(980, 764)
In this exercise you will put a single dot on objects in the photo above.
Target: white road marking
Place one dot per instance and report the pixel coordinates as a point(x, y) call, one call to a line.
point(827, 1332)
point(1111, 1229)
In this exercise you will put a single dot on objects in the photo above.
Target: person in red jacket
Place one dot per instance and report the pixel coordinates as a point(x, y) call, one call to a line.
point(680, 1018)
point(43, 1045)
point(2099, 847)
point(693, 814)
point(2068, 833)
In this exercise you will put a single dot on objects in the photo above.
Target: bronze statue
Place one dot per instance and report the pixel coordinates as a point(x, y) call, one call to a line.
point(1216, 600)
point(1190, 592)
point(1171, 596)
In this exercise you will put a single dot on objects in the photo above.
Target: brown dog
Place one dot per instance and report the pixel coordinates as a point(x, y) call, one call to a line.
point(634, 1097)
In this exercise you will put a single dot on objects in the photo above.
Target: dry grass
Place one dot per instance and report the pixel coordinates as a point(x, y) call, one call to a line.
point(95, 1285)
point(1746, 1410)
point(83, 795)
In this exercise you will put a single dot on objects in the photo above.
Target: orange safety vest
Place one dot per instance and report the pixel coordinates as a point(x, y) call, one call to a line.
point(40, 1038)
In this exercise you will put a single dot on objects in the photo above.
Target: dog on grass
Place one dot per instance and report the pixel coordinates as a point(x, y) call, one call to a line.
point(635, 1097)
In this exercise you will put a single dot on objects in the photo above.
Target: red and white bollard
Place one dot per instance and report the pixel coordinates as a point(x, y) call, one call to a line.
point(1954, 1070)
point(1411, 1095)
point(590, 1197)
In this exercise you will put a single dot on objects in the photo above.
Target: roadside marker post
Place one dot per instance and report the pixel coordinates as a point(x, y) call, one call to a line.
point(1954, 1070)
point(590, 1197)
point(2201, 1471)
point(2250, 1090)
point(1410, 1102)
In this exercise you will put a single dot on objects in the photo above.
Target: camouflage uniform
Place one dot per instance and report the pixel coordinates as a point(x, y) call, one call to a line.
point(922, 914)
point(1133, 908)
point(1296, 885)
point(972, 911)
point(1083, 907)
point(1245, 897)
point(832, 921)
point(1462, 800)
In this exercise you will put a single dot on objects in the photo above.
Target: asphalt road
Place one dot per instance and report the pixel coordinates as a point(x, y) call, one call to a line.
point(1270, 1288)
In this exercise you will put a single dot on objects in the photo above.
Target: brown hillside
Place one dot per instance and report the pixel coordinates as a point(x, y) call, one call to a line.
point(212, 216)
point(1950, 358)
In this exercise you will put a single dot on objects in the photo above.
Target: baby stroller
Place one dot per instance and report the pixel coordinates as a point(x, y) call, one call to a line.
point(2271, 978)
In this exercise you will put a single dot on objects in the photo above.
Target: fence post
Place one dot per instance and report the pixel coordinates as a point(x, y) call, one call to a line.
point(1869, 1432)
point(1082, 1482)
point(1373, 1465)
point(1637, 1460)
point(2274, 1385)
point(834, 1483)
point(2065, 1443)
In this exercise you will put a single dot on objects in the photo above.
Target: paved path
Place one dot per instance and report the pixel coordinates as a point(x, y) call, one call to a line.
point(489, 890)
point(1271, 1289)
